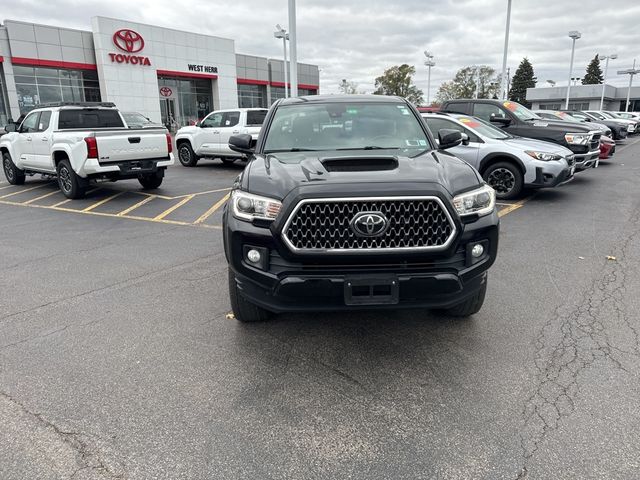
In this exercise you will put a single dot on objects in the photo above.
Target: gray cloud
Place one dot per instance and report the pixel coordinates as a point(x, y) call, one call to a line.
point(358, 39)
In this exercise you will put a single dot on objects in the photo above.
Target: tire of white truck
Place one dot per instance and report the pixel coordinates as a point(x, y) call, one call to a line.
point(14, 175)
point(151, 181)
point(71, 185)
point(186, 155)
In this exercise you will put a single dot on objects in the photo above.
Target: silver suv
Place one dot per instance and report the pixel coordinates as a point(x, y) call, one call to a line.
point(507, 163)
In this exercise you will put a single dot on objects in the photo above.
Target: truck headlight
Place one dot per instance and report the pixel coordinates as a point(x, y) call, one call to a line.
point(547, 157)
point(577, 138)
point(247, 206)
point(480, 202)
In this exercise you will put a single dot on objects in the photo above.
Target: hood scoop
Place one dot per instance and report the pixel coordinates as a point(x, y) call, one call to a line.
point(360, 164)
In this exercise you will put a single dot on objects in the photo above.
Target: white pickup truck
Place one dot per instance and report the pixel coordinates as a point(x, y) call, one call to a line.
point(81, 143)
point(210, 137)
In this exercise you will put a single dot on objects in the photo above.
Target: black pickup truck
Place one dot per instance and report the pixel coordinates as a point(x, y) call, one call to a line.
point(522, 122)
point(347, 202)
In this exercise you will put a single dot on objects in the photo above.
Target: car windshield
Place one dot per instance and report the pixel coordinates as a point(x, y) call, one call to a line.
point(135, 118)
point(521, 112)
point(566, 117)
point(346, 126)
point(607, 115)
point(484, 129)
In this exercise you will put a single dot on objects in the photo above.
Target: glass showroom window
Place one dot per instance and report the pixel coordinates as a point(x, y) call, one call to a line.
point(194, 98)
point(550, 106)
point(4, 104)
point(37, 85)
point(252, 96)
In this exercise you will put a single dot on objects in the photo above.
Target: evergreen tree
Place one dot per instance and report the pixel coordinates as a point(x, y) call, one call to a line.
point(594, 73)
point(522, 79)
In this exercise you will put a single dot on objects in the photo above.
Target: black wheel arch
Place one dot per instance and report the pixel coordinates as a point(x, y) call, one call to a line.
point(498, 157)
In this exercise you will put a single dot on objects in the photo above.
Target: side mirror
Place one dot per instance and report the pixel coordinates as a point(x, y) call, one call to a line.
point(504, 121)
point(241, 143)
point(198, 123)
point(449, 138)
point(465, 139)
point(12, 127)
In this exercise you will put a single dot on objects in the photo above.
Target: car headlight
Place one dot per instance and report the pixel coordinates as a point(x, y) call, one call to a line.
point(577, 138)
point(480, 202)
point(547, 157)
point(247, 206)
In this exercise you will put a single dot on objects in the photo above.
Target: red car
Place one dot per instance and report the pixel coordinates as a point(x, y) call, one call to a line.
point(607, 147)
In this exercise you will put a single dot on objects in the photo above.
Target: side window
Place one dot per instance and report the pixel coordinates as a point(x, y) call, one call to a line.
point(485, 111)
point(436, 124)
point(212, 121)
point(230, 119)
point(45, 119)
point(30, 123)
point(458, 107)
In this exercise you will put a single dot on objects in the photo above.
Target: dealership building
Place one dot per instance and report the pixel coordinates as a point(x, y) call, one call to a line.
point(584, 97)
point(170, 76)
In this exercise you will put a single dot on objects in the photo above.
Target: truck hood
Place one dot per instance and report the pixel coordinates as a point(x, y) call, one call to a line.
point(188, 129)
point(523, 144)
point(275, 175)
point(558, 125)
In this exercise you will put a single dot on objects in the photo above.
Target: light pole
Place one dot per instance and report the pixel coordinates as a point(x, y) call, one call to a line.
point(503, 93)
point(282, 33)
point(574, 35)
point(293, 64)
point(429, 63)
point(631, 72)
point(613, 56)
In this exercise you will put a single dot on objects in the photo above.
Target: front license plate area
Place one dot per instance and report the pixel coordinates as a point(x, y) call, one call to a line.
point(371, 291)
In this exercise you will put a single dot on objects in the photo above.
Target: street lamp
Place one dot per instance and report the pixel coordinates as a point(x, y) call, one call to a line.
point(631, 72)
point(503, 93)
point(429, 63)
point(282, 33)
point(613, 56)
point(574, 35)
point(293, 64)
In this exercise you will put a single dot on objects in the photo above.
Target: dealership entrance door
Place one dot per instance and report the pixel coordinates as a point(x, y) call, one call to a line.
point(168, 113)
point(187, 100)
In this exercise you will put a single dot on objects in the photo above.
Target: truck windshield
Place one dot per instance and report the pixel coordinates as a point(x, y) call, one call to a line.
point(346, 126)
point(521, 112)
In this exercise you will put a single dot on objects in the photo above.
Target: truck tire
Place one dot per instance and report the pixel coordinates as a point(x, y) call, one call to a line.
point(14, 175)
point(186, 155)
point(151, 181)
point(71, 185)
point(505, 178)
point(243, 309)
point(470, 306)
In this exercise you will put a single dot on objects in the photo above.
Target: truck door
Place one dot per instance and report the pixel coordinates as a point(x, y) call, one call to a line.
point(230, 126)
point(41, 143)
point(208, 137)
point(24, 144)
point(487, 111)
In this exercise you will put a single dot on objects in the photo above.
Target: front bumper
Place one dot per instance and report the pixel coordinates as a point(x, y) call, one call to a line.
point(288, 282)
point(550, 173)
point(587, 160)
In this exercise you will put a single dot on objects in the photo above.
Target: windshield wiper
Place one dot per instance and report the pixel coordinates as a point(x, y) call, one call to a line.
point(294, 149)
point(369, 147)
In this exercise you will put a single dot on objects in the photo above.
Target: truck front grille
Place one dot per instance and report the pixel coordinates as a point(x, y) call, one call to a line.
point(327, 225)
point(594, 143)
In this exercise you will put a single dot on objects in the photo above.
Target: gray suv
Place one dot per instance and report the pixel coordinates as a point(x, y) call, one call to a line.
point(507, 163)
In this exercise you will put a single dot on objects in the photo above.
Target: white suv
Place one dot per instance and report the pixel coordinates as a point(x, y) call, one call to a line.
point(210, 136)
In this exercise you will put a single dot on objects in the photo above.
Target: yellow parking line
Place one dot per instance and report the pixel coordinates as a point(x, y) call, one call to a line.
point(205, 192)
point(212, 210)
point(8, 186)
point(41, 197)
point(133, 207)
point(23, 191)
point(515, 206)
point(173, 208)
point(102, 202)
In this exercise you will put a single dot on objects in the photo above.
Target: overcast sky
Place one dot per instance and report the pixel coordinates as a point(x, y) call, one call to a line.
point(358, 39)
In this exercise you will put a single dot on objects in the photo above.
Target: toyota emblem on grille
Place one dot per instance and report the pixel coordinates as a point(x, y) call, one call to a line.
point(369, 224)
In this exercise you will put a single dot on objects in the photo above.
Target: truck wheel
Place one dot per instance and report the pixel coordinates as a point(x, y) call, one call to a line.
point(470, 306)
point(70, 184)
point(186, 155)
point(505, 178)
point(244, 310)
point(14, 175)
point(150, 181)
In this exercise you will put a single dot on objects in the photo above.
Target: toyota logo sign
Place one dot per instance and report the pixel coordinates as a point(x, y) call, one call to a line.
point(369, 224)
point(128, 40)
point(166, 91)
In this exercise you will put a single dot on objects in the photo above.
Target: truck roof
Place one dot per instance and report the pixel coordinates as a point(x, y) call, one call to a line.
point(342, 99)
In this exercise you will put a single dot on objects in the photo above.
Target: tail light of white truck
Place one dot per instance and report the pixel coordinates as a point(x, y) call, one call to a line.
point(92, 147)
point(169, 144)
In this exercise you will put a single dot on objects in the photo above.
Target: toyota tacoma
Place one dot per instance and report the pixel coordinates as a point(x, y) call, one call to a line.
point(347, 203)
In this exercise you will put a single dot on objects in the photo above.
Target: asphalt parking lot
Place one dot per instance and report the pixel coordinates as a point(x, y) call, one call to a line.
point(118, 359)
